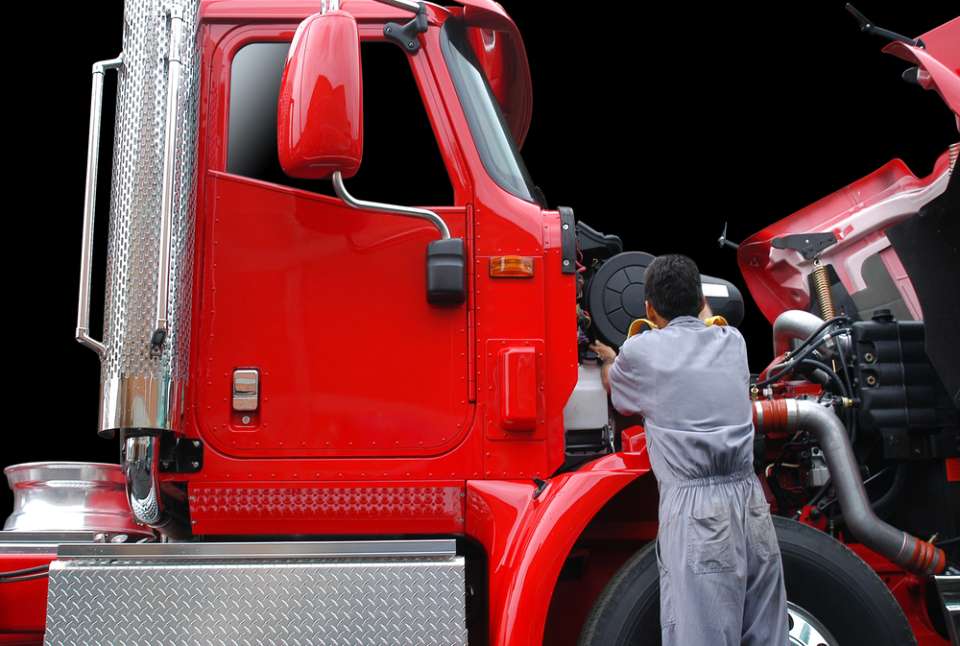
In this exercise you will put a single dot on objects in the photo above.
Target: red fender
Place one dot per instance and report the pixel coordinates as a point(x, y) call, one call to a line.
point(527, 539)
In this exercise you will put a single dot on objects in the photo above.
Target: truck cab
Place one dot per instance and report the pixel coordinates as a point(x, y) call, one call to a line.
point(362, 383)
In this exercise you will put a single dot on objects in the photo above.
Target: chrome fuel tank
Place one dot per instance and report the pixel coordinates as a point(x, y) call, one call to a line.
point(146, 324)
point(70, 497)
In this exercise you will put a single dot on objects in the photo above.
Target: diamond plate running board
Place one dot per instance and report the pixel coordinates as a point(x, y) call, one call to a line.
point(324, 593)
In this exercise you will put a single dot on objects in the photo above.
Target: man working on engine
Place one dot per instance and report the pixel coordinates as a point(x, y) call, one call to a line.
point(721, 579)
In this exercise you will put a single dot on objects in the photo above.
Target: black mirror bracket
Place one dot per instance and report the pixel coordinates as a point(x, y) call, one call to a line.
point(406, 35)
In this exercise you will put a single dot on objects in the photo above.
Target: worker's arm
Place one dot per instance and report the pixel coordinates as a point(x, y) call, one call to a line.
point(630, 388)
point(607, 356)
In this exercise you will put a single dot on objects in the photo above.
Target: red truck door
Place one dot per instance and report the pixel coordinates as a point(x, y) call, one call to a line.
point(327, 303)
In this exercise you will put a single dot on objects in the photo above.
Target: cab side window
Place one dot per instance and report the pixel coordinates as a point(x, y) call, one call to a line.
point(401, 161)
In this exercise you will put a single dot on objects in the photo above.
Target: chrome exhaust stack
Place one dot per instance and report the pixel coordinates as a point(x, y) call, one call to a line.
point(146, 328)
point(789, 415)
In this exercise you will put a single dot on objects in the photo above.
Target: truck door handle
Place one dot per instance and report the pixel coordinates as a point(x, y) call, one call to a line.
point(90, 203)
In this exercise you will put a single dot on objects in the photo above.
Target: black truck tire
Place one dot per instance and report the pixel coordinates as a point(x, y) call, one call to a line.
point(823, 577)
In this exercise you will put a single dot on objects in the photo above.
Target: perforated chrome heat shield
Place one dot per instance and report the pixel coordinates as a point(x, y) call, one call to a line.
point(142, 387)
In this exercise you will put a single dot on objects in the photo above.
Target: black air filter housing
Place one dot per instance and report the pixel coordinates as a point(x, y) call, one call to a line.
point(615, 296)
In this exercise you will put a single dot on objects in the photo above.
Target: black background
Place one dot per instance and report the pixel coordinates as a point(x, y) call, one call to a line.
point(655, 123)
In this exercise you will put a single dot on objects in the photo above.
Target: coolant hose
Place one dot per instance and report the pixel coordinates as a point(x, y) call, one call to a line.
point(790, 415)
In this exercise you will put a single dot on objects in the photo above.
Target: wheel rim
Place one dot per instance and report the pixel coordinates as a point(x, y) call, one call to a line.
point(806, 629)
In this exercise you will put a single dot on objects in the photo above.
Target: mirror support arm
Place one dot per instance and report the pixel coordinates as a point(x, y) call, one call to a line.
point(409, 211)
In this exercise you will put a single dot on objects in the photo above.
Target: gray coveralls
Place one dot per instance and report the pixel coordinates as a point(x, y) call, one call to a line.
point(721, 579)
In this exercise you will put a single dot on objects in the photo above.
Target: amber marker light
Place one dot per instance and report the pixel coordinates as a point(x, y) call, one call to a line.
point(511, 267)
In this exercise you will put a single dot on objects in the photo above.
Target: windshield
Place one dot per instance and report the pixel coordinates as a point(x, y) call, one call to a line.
point(498, 151)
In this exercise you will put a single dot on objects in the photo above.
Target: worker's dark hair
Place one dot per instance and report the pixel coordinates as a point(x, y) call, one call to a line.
point(672, 284)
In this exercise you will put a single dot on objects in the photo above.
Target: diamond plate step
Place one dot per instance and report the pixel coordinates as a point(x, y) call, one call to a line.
point(308, 593)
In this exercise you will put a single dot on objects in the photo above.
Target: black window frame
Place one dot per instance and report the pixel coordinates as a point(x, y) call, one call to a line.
point(488, 126)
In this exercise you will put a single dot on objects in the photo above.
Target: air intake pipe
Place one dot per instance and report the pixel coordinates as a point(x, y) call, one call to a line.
point(793, 325)
point(908, 551)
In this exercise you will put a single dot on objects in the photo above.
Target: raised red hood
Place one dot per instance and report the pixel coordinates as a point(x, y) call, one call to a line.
point(939, 60)
point(860, 213)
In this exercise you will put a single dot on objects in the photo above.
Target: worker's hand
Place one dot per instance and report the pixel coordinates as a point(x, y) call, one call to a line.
point(604, 351)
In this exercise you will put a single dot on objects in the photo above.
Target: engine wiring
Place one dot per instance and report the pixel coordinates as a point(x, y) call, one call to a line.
point(852, 414)
point(804, 350)
point(830, 372)
point(838, 378)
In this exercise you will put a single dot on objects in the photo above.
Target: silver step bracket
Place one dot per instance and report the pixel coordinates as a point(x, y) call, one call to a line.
point(334, 593)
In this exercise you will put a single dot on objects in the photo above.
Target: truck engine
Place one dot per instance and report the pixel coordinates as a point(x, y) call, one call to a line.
point(869, 368)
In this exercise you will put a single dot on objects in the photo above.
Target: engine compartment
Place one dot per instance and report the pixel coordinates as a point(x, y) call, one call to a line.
point(874, 374)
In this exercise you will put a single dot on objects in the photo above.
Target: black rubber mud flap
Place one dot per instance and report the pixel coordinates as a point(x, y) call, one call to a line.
point(822, 576)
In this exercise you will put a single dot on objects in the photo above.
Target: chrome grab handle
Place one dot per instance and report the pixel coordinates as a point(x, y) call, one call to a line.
point(166, 197)
point(89, 204)
point(409, 211)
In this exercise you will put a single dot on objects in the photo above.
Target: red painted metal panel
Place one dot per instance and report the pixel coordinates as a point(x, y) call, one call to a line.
point(21, 639)
point(527, 539)
point(371, 406)
point(281, 273)
point(910, 592)
point(296, 10)
point(515, 391)
point(519, 383)
point(777, 278)
point(23, 605)
point(952, 465)
point(434, 507)
point(939, 59)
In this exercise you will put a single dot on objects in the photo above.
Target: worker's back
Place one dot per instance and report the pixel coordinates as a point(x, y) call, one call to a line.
point(721, 580)
point(690, 381)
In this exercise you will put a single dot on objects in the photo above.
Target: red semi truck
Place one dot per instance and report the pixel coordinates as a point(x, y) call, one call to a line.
point(459, 477)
